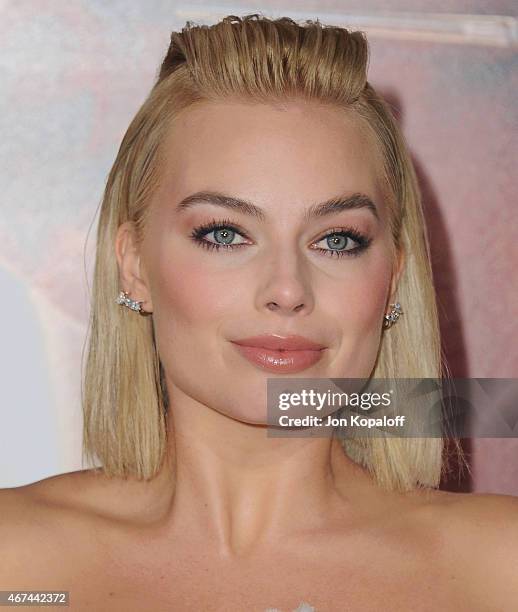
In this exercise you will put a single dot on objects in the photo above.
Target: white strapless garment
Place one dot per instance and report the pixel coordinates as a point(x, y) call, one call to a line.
point(303, 607)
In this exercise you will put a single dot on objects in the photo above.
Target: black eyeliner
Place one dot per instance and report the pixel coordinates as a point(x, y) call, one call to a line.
point(202, 230)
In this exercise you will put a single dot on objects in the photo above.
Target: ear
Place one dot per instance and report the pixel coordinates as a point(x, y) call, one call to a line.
point(131, 273)
point(399, 265)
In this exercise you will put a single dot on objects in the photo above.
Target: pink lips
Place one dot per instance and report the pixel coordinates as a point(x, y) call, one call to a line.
point(282, 354)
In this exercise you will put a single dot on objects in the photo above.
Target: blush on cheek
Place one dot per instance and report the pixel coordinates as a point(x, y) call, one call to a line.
point(370, 297)
point(178, 281)
point(361, 345)
point(191, 293)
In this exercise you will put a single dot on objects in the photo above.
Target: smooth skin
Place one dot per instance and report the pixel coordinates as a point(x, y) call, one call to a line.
point(236, 520)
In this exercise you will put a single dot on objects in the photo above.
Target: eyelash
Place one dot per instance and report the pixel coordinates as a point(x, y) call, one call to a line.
point(199, 232)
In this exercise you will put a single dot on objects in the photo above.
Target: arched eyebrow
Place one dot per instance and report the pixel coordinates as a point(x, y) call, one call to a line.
point(329, 207)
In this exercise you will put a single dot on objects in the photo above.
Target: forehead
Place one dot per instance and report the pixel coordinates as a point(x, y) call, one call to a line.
point(294, 154)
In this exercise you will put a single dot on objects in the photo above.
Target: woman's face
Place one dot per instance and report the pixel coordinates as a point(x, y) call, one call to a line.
point(274, 280)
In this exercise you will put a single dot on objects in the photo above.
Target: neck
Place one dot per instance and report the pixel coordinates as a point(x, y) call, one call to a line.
point(239, 490)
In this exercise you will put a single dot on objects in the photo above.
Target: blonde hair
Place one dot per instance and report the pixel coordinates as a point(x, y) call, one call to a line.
point(258, 60)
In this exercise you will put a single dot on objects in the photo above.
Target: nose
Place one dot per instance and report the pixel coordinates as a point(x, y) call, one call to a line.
point(287, 291)
point(274, 306)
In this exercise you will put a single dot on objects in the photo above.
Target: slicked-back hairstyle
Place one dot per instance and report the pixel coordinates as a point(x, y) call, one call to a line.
point(252, 59)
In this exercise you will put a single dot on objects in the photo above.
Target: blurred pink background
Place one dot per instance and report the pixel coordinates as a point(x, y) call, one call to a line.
point(73, 75)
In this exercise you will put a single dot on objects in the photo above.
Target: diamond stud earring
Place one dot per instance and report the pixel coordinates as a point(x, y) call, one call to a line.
point(392, 316)
point(124, 300)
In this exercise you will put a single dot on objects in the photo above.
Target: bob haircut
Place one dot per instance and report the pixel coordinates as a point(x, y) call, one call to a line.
point(255, 60)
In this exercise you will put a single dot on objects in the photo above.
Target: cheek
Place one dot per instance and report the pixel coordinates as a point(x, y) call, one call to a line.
point(188, 303)
point(188, 297)
point(358, 309)
point(361, 298)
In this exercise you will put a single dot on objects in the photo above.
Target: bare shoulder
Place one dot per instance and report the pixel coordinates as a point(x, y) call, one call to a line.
point(479, 536)
point(86, 492)
point(40, 525)
point(488, 517)
point(492, 520)
point(69, 490)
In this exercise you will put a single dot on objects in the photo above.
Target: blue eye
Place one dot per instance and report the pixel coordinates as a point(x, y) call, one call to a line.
point(341, 243)
point(339, 240)
point(223, 234)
